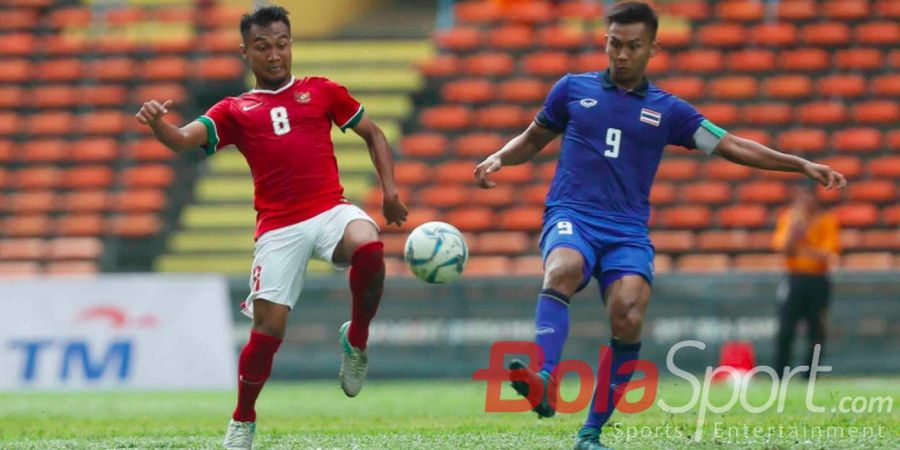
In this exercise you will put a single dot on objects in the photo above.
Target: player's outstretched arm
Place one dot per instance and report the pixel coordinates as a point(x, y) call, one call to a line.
point(380, 151)
point(518, 150)
point(751, 153)
point(177, 139)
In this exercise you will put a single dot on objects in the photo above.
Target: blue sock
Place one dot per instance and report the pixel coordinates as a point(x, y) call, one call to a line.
point(621, 353)
point(551, 326)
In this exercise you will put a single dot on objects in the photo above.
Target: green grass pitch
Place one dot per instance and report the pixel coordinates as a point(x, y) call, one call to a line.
point(433, 414)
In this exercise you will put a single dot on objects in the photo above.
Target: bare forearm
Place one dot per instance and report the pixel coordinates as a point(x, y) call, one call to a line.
point(754, 154)
point(383, 159)
point(171, 136)
point(517, 151)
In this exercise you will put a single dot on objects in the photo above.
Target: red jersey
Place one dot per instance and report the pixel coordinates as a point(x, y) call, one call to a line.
point(285, 136)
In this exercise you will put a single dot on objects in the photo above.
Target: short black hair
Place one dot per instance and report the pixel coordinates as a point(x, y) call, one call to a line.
point(263, 16)
point(634, 12)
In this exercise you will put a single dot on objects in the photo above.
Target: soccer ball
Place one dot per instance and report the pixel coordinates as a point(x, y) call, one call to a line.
point(436, 252)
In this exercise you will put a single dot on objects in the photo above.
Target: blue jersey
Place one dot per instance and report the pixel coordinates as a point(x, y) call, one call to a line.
point(612, 144)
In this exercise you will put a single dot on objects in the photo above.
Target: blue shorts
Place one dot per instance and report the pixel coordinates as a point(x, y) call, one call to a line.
point(611, 248)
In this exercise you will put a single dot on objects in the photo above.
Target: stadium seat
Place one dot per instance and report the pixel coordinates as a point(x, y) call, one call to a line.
point(223, 40)
point(699, 61)
point(489, 64)
point(492, 266)
point(477, 11)
point(522, 173)
point(707, 192)
point(477, 218)
point(826, 34)
point(690, 9)
point(148, 149)
point(734, 87)
point(856, 139)
point(424, 145)
point(741, 10)
point(591, 62)
point(44, 151)
point(171, 68)
point(723, 169)
point(677, 169)
point(692, 217)
point(788, 86)
point(68, 248)
point(444, 195)
point(890, 215)
point(112, 69)
point(459, 39)
point(504, 243)
point(70, 268)
point(822, 113)
point(778, 34)
point(874, 261)
point(53, 96)
point(412, 172)
point(69, 17)
point(659, 64)
point(160, 91)
point(88, 177)
point(886, 85)
point(856, 215)
point(10, 123)
point(667, 241)
point(30, 202)
point(723, 240)
point(743, 216)
point(19, 269)
point(846, 9)
point(455, 172)
point(662, 193)
point(218, 68)
point(510, 37)
point(7, 151)
point(139, 200)
point(477, 145)
point(37, 177)
point(756, 262)
point(721, 34)
point(104, 95)
point(525, 218)
point(687, 87)
point(885, 166)
point(767, 113)
point(531, 13)
point(68, 69)
point(843, 85)
point(30, 225)
point(750, 60)
point(148, 175)
point(710, 263)
point(802, 140)
point(103, 122)
point(878, 33)
point(25, 249)
point(562, 37)
point(133, 225)
point(94, 150)
point(393, 243)
point(893, 139)
point(849, 166)
point(858, 59)
point(440, 66)
point(763, 191)
point(52, 123)
point(416, 217)
point(804, 60)
point(876, 112)
point(84, 201)
point(523, 90)
point(446, 117)
point(500, 196)
point(469, 90)
point(528, 266)
point(502, 117)
point(535, 194)
point(878, 191)
point(548, 63)
point(11, 97)
point(888, 8)
point(722, 114)
point(17, 44)
point(15, 70)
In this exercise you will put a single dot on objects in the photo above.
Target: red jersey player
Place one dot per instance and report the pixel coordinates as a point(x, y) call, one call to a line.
point(283, 129)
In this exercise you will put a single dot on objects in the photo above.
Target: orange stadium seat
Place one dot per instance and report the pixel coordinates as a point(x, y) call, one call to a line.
point(94, 150)
point(721, 34)
point(501, 117)
point(803, 140)
point(691, 9)
point(858, 58)
point(530, 266)
point(44, 150)
point(674, 37)
point(37, 177)
point(500, 196)
point(222, 15)
point(504, 242)
point(879, 191)
point(822, 112)
point(689, 87)
point(148, 149)
point(536, 194)
point(32, 202)
point(472, 218)
point(218, 68)
point(73, 17)
point(522, 173)
point(777, 34)
point(456, 172)
point(886, 85)
point(878, 33)
point(763, 191)
point(139, 200)
point(30, 225)
point(804, 59)
point(69, 268)
point(734, 87)
point(562, 37)
point(770, 113)
point(161, 91)
point(458, 39)
point(687, 217)
point(700, 61)
point(111, 95)
point(67, 248)
point(446, 117)
point(11, 97)
point(416, 217)
point(857, 139)
point(720, 113)
point(893, 139)
point(856, 215)
point(64, 45)
point(668, 241)
point(843, 85)
point(394, 243)
point(826, 34)
point(755, 262)
point(742, 10)
point(709, 263)
point(524, 218)
point(709, 192)
point(51, 123)
point(81, 201)
point(412, 172)
point(54, 96)
point(677, 169)
point(18, 19)
point(489, 64)
point(68, 69)
point(510, 37)
point(788, 86)
point(477, 145)
point(7, 150)
point(846, 9)
point(662, 193)
point(723, 240)
point(591, 61)
point(659, 64)
point(444, 195)
point(103, 122)
point(440, 66)
point(877, 111)
point(124, 15)
point(488, 266)
point(534, 12)
point(743, 216)
point(722, 169)
point(94, 176)
point(477, 11)
point(170, 68)
point(891, 215)
point(888, 8)
point(10, 123)
point(424, 145)
point(133, 225)
point(878, 261)
point(750, 60)
point(24, 249)
point(885, 166)
point(19, 269)
point(849, 166)
point(173, 13)
point(524, 90)
point(17, 44)
point(112, 69)
point(223, 40)
point(549, 63)
point(468, 90)
point(15, 70)
point(756, 134)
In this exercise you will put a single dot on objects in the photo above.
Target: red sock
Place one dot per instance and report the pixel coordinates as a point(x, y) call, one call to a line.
point(254, 368)
point(366, 284)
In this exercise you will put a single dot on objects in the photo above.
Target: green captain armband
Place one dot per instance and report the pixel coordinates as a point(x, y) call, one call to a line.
point(713, 128)
point(212, 135)
point(707, 136)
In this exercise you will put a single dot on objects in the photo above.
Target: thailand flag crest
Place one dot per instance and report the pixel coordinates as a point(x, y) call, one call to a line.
point(650, 116)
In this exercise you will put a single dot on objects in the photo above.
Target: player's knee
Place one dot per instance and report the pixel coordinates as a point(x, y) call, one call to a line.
point(626, 315)
point(564, 277)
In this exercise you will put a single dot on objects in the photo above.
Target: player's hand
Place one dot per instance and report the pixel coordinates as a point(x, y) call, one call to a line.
point(824, 175)
point(394, 210)
point(490, 165)
point(151, 111)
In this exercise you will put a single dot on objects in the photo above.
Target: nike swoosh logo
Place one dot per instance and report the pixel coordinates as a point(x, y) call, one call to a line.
point(248, 108)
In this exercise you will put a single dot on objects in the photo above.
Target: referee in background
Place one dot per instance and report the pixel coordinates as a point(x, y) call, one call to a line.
point(807, 235)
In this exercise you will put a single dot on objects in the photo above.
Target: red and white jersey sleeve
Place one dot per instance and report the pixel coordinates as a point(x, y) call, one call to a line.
point(345, 110)
point(219, 125)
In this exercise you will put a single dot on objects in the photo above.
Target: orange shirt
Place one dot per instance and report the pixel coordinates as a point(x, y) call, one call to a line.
point(822, 233)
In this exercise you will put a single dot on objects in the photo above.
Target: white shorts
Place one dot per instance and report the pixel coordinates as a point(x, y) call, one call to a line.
point(280, 256)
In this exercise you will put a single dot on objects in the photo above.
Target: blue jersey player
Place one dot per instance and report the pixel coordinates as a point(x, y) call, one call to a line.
point(615, 125)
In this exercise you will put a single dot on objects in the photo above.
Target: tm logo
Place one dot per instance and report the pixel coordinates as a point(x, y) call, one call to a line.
point(75, 358)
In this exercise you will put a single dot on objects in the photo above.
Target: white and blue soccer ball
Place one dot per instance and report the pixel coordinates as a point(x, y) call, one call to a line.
point(436, 252)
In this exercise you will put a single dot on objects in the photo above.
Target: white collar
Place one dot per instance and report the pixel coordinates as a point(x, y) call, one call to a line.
point(281, 89)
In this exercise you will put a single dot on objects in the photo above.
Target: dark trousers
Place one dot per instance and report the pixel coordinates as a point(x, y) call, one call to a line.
point(806, 298)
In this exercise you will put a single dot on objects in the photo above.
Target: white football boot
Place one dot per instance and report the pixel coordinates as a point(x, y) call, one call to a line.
point(354, 365)
point(239, 435)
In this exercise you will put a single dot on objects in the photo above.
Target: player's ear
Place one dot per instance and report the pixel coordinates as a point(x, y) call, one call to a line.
point(655, 47)
point(243, 51)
